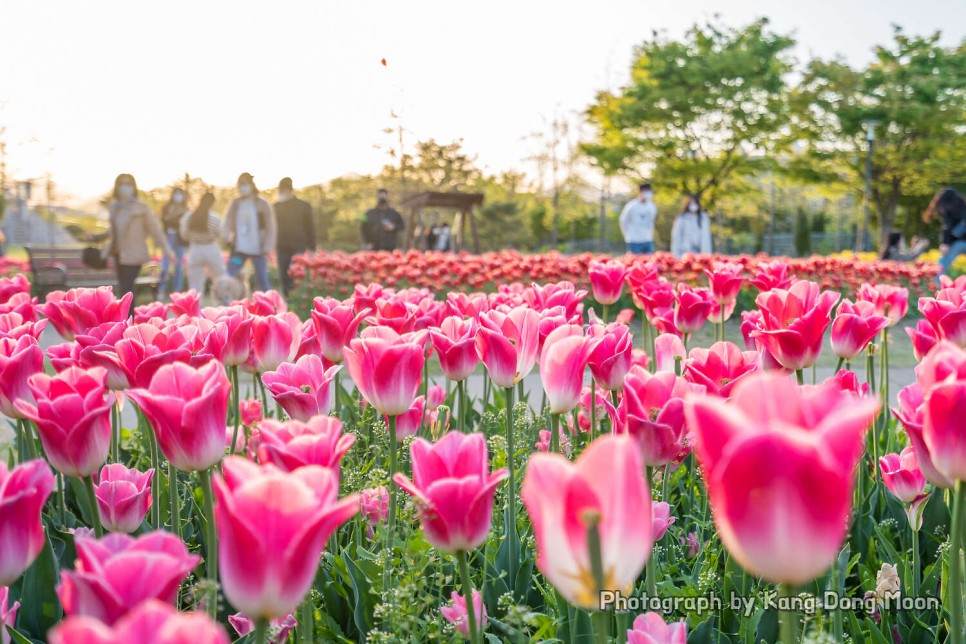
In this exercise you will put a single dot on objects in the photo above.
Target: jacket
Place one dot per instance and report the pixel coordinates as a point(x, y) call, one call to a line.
point(132, 222)
point(688, 235)
point(267, 228)
point(296, 226)
point(637, 221)
point(381, 227)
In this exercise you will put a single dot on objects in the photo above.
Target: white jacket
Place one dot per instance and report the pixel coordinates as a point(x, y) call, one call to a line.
point(637, 221)
point(687, 236)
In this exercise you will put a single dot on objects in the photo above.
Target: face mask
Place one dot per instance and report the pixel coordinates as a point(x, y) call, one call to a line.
point(245, 190)
point(178, 198)
point(693, 207)
point(383, 201)
point(647, 195)
point(283, 196)
point(125, 191)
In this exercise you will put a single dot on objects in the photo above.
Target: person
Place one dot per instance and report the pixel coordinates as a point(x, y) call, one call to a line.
point(896, 249)
point(691, 232)
point(444, 239)
point(950, 208)
point(381, 225)
point(201, 230)
point(432, 236)
point(249, 229)
point(131, 223)
point(171, 215)
point(296, 230)
point(637, 221)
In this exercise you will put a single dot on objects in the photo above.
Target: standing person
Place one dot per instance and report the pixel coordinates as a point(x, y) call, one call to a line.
point(171, 215)
point(201, 229)
point(296, 230)
point(381, 225)
point(637, 221)
point(131, 223)
point(691, 232)
point(444, 241)
point(249, 229)
point(950, 208)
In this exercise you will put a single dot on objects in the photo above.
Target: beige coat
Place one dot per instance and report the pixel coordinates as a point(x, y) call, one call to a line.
point(267, 229)
point(132, 222)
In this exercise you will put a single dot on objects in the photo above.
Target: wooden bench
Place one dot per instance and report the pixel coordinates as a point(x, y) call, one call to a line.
point(61, 267)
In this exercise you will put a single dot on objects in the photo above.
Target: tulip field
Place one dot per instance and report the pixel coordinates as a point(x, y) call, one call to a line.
point(494, 448)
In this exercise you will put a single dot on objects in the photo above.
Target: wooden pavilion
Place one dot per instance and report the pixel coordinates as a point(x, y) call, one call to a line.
point(462, 202)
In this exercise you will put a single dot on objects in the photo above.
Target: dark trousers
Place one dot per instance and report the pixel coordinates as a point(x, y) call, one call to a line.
point(127, 275)
point(284, 258)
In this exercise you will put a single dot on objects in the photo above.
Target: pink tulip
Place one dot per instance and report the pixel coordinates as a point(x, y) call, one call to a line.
point(923, 338)
point(794, 323)
point(123, 497)
point(507, 344)
point(303, 389)
point(721, 312)
point(8, 614)
point(911, 412)
point(654, 410)
point(454, 489)
point(662, 519)
point(719, 368)
point(19, 360)
point(455, 344)
point(612, 355)
point(890, 301)
point(272, 528)
point(13, 286)
point(374, 504)
point(14, 325)
point(946, 313)
point(335, 325)
point(230, 340)
point(605, 485)
point(251, 411)
point(409, 423)
point(275, 339)
point(23, 493)
point(562, 363)
point(186, 303)
point(76, 311)
point(543, 444)
point(942, 375)
point(650, 628)
point(73, 418)
point(188, 408)
point(692, 306)
point(724, 281)
point(607, 281)
point(113, 575)
point(278, 628)
point(901, 475)
point(779, 465)
point(845, 380)
point(98, 348)
point(386, 368)
point(294, 444)
point(456, 614)
point(854, 327)
point(772, 275)
point(548, 296)
point(667, 349)
point(150, 622)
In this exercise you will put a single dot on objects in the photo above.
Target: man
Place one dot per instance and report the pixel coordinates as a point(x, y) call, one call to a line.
point(637, 221)
point(381, 225)
point(296, 230)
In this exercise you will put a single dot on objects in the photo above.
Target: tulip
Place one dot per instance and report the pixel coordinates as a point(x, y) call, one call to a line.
point(772, 275)
point(923, 338)
point(374, 505)
point(692, 306)
point(507, 344)
point(719, 368)
point(650, 628)
point(317, 441)
point(19, 360)
point(562, 363)
point(654, 412)
point(779, 463)
point(724, 281)
point(73, 418)
point(946, 313)
point(409, 423)
point(902, 476)
point(605, 492)
point(186, 303)
point(335, 325)
point(543, 443)
point(854, 327)
point(123, 497)
point(455, 344)
point(275, 339)
point(251, 411)
point(278, 629)
point(23, 493)
point(662, 520)
point(76, 311)
point(942, 375)
point(187, 407)
point(667, 349)
point(303, 389)
point(845, 380)
point(272, 528)
point(98, 348)
point(548, 296)
point(113, 575)
point(456, 613)
point(454, 489)
point(151, 622)
point(8, 615)
point(607, 281)
point(14, 325)
point(386, 368)
point(794, 323)
point(888, 300)
point(231, 338)
point(612, 355)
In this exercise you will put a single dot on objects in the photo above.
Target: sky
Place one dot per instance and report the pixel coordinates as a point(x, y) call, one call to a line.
point(297, 88)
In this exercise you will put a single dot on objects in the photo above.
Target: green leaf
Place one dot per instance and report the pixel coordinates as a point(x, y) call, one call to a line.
point(362, 613)
point(18, 638)
point(40, 607)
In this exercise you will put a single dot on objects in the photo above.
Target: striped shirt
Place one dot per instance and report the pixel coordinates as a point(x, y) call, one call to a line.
point(210, 236)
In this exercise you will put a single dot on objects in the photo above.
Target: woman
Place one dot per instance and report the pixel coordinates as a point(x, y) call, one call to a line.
point(691, 232)
point(249, 229)
point(201, 229)
point(131, 223)
point(896, 249)
point(950, 208)
point(171, 215)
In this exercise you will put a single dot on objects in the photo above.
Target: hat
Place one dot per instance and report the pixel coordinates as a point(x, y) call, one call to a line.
point(246, 177)
point(285, 184)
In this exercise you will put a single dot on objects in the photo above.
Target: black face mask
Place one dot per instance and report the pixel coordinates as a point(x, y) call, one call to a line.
point(383, 201)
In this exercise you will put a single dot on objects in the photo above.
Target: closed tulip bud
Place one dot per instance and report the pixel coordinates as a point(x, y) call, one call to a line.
point(23, 492)
point(386, 368)
point(507, 344)
point(854, 327)
point(607, 280)
point(20, 358)
point(251, 411)
point(275, 339)
point(793, 323)
point(335, 325)
point(456, 613)
point(562, 364)
point(123, 497)
point(303, 389)
point(650, 628)
point(455, 344)
point(662, 519)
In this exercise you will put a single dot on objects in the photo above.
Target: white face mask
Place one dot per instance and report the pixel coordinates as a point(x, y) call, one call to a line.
point(692, 207)
point(178, 198)
point(284, 196)
point(125, 191)
point(647, 195)
point(245, 190)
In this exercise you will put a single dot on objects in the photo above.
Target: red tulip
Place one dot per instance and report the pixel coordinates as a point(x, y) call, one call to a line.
point(295, 444)
point(272, 528)
point(719, 368)
point(607, 281)
point(650, 628)
point(507, 344)
point(275, 339)
point(335, 325)
point(612, 355)
point(123, 497)
point(654, 410)
point(23, 493)
point(113, 575)
point(188, 408)
point(605, 487)
point(303, 389)
point(386, 368)
point(151, 622)
point(73, 418)
point(779, 465)
point(794, 322)
point(8, 614)
point(19, 360)
point(455, 344)
point(562, 363)
point(454, 490)
point(692, 306)
point(890, 301)
point(854, 327)
point(456, 613)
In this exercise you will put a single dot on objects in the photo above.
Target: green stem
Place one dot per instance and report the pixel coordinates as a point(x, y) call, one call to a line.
point(461, 395)
point(115, 434)
point(307, 620)
point(800, 376)
point(650, 572)
point(211, 536)
point(468, 595)
point(601, 619)
point(391, 525)
point(653, 356)
point(425, 388)
point(593, 410)
point(261, 631)
point(601, 622)
point(174, 500)
point(953, 598)
point(511, 527)
point(915, 564)
point(787, 619)
point(554, 433)
point(28, 438)
point(721, 327)
point(838, 365)
point(92, 501)
point(264, 394)
point(605, 310)
point(337, 389)
point(233, 376)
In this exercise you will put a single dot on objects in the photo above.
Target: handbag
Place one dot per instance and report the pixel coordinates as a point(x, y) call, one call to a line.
point(92, 258)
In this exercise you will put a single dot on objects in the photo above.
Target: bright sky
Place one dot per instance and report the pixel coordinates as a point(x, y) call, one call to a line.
point(215, 88)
